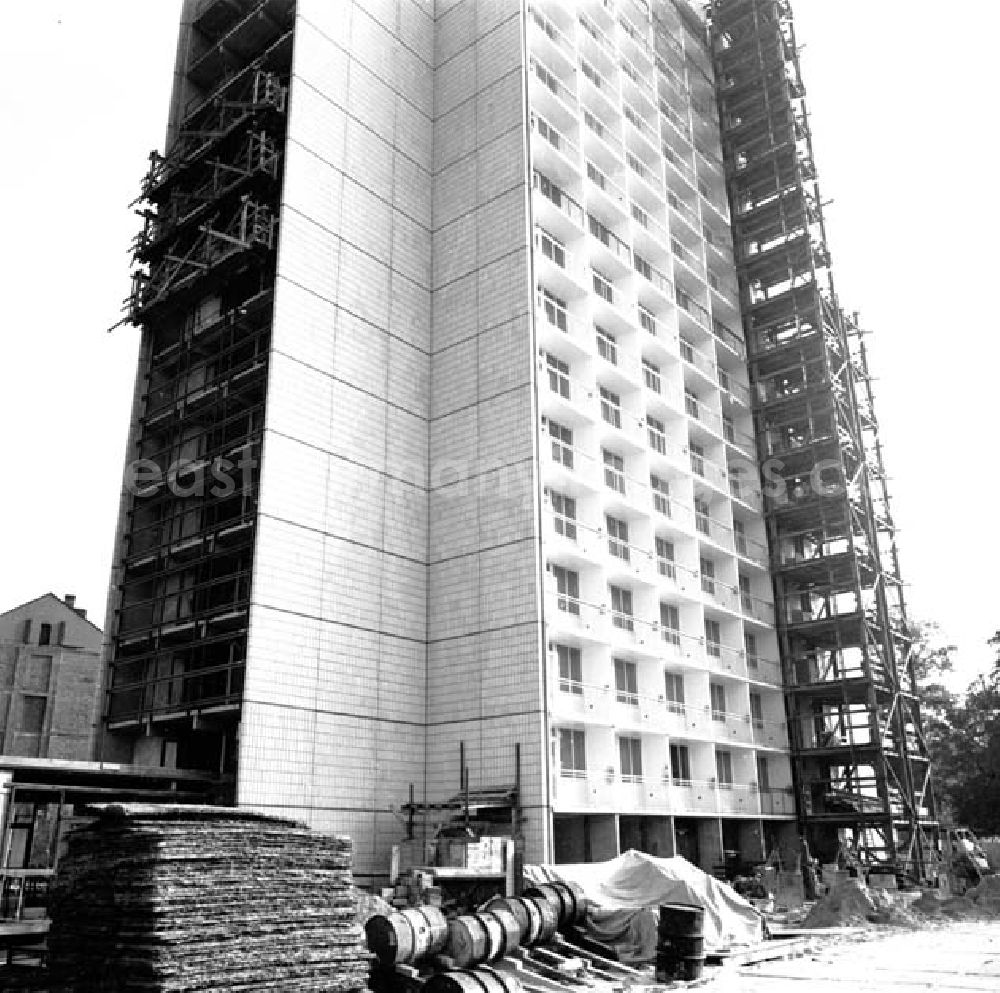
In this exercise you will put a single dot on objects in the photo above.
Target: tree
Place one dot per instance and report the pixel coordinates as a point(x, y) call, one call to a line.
point(962, 733)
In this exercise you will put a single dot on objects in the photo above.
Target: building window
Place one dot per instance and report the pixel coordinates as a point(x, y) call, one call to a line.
point(552, 249)
point(572, 753)
point(746, 597)
point(626, 683)
point(661, 495)
point(562, 444)
point(665, 558)
point(724, 768)
point(708, 576)
point(750, 645)
point(687, 351)
point(646, 320)
point(607, 345)
point(593, 123)
point(642, 266)
point(674, 687)
point(701, 516)
point(728, 431)
point(680, 764)
point(611, 408)
point(713, 638)
point(630, 757)
point(596, 176)
point(657, 435)
point(763, 774)
point(697, 458)
point(651, 375)
point(691, 403)
point(621, 608)
point(717, 693)
point(756, 709)
point(32, 714)
point(570, 670)
point(614, 471)
point(558, 375)
point(555, 310)
point(591, 73)
point(617, 538)
point(564, 514)
point(45, 634)
point(568, 589)
point(670, 624)
point(603, 287)
point(640, 216)
point(740, 537)
point(598, 230)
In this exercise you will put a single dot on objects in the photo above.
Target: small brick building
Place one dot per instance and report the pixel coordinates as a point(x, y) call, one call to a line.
point(50, 665)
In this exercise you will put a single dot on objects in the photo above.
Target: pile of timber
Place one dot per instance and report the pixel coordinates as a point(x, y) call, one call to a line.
point(178, 898)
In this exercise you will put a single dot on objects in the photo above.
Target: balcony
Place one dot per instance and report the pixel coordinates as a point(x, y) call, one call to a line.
point(750, 549)
point(696, 312)
point(561, 270)
point(685, 212)
point(764, 670)
point(737, 799)
point(731, 727)
point(556, 210)
point(550, 95)
point(689, 796)
point(662, 288)
point(746, 491)
point(646, 185)
point(723, 659)
point(553, 44)
point(558, 328)
point(756, 609)
point(729, 338)
point(603, 143)
point(721, 535)
point(713, 474)
point(555, 154)
point(769, 734)
point(680, 166)
point(606, 191)
point(737, 392)
point(697, 359)
point(777, 802)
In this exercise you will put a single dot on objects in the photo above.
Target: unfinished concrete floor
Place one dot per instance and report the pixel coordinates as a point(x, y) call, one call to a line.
point(949, 957)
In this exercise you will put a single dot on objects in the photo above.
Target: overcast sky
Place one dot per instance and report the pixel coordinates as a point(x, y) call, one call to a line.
point(902, 104)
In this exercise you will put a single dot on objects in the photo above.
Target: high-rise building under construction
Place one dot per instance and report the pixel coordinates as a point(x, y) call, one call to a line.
point(443, 475)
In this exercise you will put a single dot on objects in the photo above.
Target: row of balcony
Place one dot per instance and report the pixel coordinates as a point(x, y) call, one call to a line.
point(603, 624)
point(692, 520)
point(582, 336)
point(607, 706)
point(580, 789)
point(641, 195)
point(594, 402)
point(640, 494)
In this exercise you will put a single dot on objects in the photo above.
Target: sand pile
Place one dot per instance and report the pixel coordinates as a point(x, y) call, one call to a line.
point(986, 896)
point(849, 904)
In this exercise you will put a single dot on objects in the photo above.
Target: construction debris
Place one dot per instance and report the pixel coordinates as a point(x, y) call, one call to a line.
point(167, 899)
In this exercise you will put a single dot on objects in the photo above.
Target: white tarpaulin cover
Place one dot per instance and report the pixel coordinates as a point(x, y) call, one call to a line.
point(635, 880)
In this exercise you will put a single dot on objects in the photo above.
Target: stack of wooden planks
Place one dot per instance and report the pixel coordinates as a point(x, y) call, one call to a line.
point(177, 898)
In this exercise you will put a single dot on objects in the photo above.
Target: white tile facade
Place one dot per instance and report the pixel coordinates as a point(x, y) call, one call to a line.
point(456, 173)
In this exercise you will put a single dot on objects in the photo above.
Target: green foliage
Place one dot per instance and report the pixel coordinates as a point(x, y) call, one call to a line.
point(962, 733)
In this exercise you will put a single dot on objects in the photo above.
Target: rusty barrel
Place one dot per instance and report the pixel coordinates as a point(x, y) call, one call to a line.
point(406, 936)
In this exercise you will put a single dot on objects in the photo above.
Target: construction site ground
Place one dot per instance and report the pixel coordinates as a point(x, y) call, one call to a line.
point(952, 956)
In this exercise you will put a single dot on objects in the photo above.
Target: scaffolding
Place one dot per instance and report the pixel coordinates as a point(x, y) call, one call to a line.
point(202, 291)
point(861, 765)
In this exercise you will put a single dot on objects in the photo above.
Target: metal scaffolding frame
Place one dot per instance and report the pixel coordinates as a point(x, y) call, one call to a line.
point(202, 293)
point(861, 767)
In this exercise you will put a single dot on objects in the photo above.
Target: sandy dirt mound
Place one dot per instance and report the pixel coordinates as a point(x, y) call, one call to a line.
point(849, 903)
